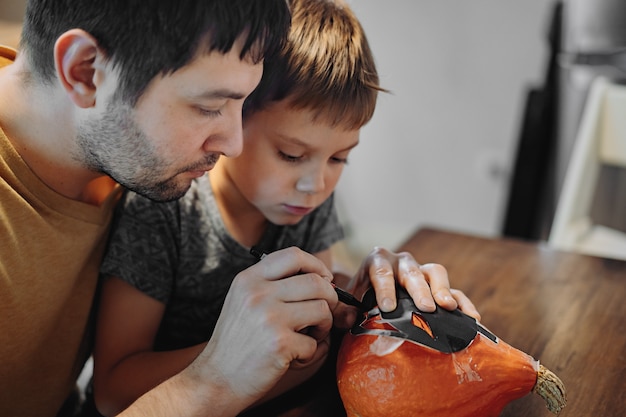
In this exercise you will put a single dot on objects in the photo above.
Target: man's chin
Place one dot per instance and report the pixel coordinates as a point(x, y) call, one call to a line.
point(162, 193)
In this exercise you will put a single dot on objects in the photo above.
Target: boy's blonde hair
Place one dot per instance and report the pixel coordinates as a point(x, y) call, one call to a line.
point(326, 66)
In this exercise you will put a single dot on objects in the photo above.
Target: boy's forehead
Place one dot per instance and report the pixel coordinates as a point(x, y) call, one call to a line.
point(315, 113)
point(299, 126)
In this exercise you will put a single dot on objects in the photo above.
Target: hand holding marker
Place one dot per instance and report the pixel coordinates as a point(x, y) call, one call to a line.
point(344, 296)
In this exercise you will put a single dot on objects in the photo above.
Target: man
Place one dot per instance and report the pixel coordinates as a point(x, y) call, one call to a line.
point(147, 94)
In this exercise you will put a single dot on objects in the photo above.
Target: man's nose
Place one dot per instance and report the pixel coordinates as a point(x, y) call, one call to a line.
point(228, 140)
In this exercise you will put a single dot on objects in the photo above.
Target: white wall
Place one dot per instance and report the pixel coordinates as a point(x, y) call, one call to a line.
point(12, 10)
point(440, 147)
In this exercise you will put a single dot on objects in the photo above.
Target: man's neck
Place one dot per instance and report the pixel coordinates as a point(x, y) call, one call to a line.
point(39, 122)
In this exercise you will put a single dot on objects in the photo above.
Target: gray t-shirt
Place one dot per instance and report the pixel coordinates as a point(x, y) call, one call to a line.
point(180, 253)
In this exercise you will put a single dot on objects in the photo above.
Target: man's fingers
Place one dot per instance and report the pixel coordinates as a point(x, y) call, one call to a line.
point(319, 352)
point(312, 338)
point(291, 261)
point(312, 318)
point(309, 286)
point(344, 316)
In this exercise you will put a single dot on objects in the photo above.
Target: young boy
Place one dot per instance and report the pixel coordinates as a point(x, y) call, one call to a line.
point(170, 265)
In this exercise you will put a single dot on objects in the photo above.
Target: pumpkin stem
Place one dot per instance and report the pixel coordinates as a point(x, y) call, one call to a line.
point(551, 389)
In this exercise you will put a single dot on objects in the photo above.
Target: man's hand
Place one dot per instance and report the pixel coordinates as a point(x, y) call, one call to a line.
point(276, 314)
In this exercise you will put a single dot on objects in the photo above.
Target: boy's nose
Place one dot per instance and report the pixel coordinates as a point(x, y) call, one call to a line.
point(311, 183)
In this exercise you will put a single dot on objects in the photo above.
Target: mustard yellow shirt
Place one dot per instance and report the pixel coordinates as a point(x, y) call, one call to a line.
point(50, 252)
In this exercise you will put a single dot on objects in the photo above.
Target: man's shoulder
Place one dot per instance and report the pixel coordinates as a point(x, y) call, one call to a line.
point(7, 55)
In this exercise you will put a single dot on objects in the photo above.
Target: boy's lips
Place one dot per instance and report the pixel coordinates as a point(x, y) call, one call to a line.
point(297, 210)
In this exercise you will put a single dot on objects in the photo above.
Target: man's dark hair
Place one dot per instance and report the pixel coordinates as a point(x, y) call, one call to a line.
point(145, 38)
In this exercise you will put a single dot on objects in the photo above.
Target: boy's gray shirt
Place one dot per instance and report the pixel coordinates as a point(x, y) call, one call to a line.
point(180, 254)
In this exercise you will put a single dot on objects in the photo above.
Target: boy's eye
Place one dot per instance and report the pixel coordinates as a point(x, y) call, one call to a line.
point(289, 158)
point(338, 160)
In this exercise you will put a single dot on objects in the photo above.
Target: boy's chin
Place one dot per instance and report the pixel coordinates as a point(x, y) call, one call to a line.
point(285, 220)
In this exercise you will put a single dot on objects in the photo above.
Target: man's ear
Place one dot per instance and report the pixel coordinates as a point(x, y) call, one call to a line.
point(76, 54)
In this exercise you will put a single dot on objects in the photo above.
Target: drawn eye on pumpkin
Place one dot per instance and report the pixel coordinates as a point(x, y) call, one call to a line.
point(443, 330)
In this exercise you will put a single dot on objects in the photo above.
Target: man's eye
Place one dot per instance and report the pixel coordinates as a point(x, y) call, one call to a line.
point(208, 112)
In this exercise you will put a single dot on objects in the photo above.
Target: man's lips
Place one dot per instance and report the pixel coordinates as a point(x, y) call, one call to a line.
point(201, 169)
point(197, 174)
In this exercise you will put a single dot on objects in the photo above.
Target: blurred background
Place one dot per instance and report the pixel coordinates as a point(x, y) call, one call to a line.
point(476, 132)
point(439, 150)
point(11, 14)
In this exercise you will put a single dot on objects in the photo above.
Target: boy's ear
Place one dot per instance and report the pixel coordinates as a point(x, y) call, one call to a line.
point(76, 54)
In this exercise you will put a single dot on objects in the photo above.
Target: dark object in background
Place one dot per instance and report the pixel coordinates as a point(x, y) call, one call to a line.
point(532, 180)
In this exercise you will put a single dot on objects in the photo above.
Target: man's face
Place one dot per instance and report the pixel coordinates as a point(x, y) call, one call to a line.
point(177, 131)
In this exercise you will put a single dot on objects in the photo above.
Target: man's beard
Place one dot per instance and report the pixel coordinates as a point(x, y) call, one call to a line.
point(115, 145)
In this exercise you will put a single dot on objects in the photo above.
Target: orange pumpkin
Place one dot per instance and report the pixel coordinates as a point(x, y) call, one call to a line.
point(411, 363)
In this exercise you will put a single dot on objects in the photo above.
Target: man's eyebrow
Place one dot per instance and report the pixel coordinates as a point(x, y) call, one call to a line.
point(220, 94)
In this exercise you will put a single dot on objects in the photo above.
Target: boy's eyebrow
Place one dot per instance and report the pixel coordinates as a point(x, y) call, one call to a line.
point(351, 146)
point(297, 141)
point(354, 144)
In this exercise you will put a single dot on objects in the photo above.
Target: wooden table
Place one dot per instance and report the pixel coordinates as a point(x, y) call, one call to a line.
point(567, 310)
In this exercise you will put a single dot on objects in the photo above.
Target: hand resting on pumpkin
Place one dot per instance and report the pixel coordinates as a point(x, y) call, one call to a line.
point(383, 270)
